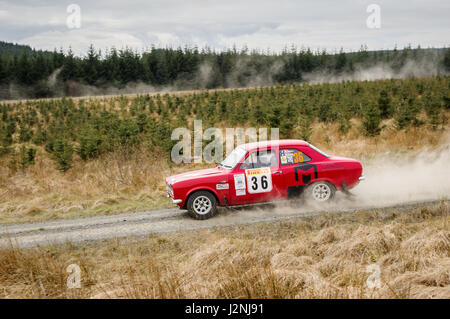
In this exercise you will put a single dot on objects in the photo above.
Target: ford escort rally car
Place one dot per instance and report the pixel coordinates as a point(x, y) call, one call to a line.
point(261, 172)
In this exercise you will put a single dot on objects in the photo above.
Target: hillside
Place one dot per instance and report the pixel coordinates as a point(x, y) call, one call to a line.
point(13, 49)
point(64, 158)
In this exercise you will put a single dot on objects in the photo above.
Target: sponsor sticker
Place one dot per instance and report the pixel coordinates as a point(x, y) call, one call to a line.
point(240, 192)
point(239, 181)
point(222, 186)
point(257, 171)
point(291, 156)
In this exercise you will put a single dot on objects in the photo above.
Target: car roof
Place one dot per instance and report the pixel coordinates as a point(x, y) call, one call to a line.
point(273, 143)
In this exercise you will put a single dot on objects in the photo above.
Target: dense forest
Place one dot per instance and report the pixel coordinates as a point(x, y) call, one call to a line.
point(87, 128)
point(27, 73)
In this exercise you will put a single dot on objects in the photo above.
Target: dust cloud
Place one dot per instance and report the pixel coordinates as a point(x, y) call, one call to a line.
point(205, 77)
point(424, 67)
point(391, 180)
point(423, 177)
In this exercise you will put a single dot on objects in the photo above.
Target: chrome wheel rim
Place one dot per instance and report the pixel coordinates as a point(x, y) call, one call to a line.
point(202, 205)
point(321, 192)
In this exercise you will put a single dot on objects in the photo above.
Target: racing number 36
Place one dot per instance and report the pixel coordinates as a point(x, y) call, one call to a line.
point(264, 183)
point(259, 180)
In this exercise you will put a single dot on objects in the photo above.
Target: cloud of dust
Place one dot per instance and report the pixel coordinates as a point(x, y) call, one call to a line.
point(427, 66)
point(80, 89)
point(204, 78)
point(245, 74)
point(390, 180)
point(52, 79)
point(423, 177)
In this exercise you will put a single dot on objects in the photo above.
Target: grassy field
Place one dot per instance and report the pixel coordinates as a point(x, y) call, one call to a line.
point(326, 256)
point(110, 155)
point(112, 183)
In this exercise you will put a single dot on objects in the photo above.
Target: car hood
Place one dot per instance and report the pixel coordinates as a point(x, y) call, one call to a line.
point(208, 172)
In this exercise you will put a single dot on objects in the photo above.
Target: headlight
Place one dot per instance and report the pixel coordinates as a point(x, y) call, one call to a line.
point(169, 189)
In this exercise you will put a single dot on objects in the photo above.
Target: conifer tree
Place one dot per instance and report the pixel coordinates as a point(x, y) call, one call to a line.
point(372, 120)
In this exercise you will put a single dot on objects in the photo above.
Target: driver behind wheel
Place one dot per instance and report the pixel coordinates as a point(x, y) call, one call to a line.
point(265, 159)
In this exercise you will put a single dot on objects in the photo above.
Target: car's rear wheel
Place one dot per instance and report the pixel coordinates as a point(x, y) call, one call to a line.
point(202, 205)
point(320, 191)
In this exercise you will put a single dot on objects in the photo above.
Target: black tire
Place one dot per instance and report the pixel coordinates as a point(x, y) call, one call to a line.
point(320, 192)
point(202, 205)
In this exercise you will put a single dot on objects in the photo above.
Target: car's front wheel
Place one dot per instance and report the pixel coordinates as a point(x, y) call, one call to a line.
point(320, 191)
point(202, 205)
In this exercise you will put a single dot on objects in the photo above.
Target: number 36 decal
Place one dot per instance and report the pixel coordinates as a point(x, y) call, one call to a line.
point(259, 180)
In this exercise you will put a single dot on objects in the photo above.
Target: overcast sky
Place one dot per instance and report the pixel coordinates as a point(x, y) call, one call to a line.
point(261, 24)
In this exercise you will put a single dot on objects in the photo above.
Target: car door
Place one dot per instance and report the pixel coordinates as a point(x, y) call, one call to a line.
point(257, 178)
point(298, 169)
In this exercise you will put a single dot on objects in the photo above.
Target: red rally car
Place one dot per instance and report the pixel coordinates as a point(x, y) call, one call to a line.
point(261, 172)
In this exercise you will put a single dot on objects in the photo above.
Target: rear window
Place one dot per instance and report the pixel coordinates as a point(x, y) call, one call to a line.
point(293, 156)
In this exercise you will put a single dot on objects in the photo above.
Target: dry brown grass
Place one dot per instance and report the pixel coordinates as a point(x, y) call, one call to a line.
point(321, 257)
point(111, 184)
point(412, 139)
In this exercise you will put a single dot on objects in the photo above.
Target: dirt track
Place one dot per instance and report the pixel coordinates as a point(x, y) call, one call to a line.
point(161, 221)
point(130, 95)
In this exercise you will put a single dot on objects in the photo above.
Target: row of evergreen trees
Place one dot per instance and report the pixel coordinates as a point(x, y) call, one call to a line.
point(89, 128)
point(185, 68)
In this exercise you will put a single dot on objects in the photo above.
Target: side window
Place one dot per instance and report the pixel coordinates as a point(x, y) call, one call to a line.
point(259, 159)
point(291, 156)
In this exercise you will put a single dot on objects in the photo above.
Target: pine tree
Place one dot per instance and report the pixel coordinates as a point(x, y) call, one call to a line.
point(258, 115)
point(341, 61)
point(26, 156)
point(161, 71)
point(447, 59)
point(62, 154)
point(111, 69)
point(70, 67)
point(289, 119)
point(372, 120)
point(3, 70)
point(274, 117)
point(304, 130)
point(57, 59)
point(39, 68)
point(90, 146)
point(23, 69)
point(91, 66)
point(344, 123)
point(384, 104)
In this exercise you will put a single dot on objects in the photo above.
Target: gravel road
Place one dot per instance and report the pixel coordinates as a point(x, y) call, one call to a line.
point(158, 222)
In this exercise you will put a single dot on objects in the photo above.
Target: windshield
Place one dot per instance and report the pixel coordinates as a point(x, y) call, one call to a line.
point(233, 158)
point(318, 151)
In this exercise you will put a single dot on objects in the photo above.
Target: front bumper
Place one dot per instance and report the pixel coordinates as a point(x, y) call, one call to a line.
point(170, 194)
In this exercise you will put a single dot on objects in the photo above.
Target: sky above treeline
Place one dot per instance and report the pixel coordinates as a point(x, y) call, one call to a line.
point(256, 24)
